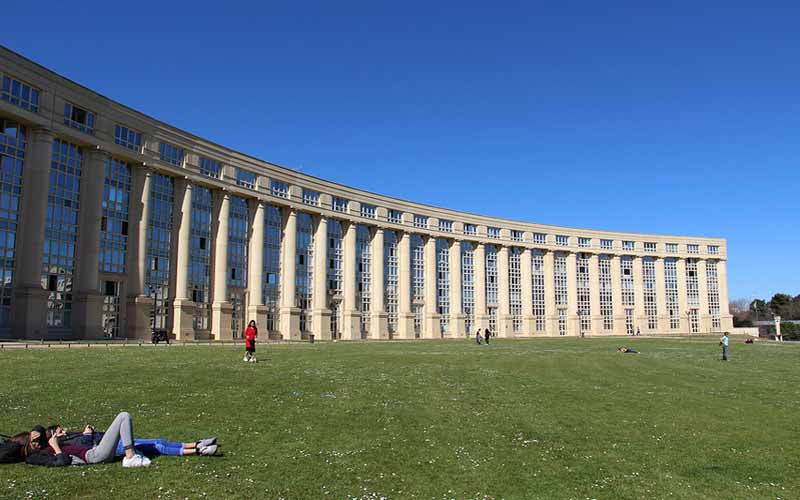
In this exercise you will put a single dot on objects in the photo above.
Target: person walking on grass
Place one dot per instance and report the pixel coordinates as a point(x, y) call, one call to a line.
point(487, 334)
point(724, 343)
point(250, 335)
point(478, 337)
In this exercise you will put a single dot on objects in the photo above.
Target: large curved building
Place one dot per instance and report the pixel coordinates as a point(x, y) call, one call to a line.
point(112, 223)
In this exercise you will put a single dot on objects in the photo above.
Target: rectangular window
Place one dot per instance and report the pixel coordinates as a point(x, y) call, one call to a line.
point(672, 247)
point(20, 94)
point(278, 188)
point(304, 269)
point(391, 279)
point(364, 276)
point(493, 232)
point(649, 246)
point(335, 272)
point(713, 249)
point(12, 155)
point(649, 283)
point(367, 211)
point(61, 232)
point(443, 284)
point(560, 278)
point(584, 242)
point(468, 283)
point(128, 138)
point(417, 280)
point(713, 294)
point(692, 248)
point(491, 278)
point(539, 238)
point(421, 221)
point(562, 240)
point(471, 229)
point(79, 118)
point(200, 256)
point(692, 283)
point(395, 216)
point(159, 234)
point(310, 197)
point(171, 154)
point(238, 231)
point(210, 168)
point(538, 291)
point(246, 179)
point(516, 235)
point(606, 294)
point(606, 244)
point(628, 245)
point(114, 222)
point(515, 288)
point(446, 226)
point(626, 277)
point(339, 204)
point(671, 290)
point(584, 294)
point(271, 288)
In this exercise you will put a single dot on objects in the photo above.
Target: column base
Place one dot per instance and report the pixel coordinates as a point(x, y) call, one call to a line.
point(290, 323)
point(258, 313)
point(87, 316)
point(29, 318)
point(139, 321)
point(458, 327)
point(379, 326)
point(183, 319)
point(432, 328)
point(221, 317)
point(321, 323)
point(405, 326)
point(351, 329)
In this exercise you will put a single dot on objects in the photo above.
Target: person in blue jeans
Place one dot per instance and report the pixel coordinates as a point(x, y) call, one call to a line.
point(724, 343)
point(148, 447)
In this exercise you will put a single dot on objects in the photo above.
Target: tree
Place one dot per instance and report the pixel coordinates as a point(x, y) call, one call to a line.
point(740, 309)
point(760, 310)
point(781, 305)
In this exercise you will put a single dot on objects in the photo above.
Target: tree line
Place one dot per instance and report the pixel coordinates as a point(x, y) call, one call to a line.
point(745, 312)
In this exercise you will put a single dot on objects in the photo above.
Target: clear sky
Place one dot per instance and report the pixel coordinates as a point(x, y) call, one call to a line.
point(682, 118)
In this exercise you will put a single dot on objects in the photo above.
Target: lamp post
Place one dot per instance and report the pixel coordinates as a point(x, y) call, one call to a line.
point(778, 335)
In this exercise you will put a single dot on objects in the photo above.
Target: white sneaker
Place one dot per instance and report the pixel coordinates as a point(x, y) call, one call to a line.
point(245, 359)
point(136, 461)
point(253, 360)
point(207, 450)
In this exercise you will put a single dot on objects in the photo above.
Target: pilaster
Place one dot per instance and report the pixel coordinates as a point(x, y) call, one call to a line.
point(504, 320)
point(457, 327)
point(289, 312)
point(431, 328)
point(320, 313)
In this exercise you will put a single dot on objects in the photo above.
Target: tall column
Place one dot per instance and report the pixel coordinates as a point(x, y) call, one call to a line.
point(256, 310)
point(29, 318)
point(290, 313)
point(351, 315)
point(221, 308)
point(405, 318)
point(320, 313)
point(725, 314)
point(639, 318)
point(526, 267)
point(616, 296)
point(88, 305)
point(479, 263)
point(702, 282)
point(183, 307)
point(573, 328)
point(457, 326)
point(594, 293)
point(551, 315)
point(379, 319)
point(431, 329)
point(661, 296)
point(504, 321)
point(683, 302)
point(139, 304)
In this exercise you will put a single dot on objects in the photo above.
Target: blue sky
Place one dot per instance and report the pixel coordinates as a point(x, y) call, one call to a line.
point(682, 118)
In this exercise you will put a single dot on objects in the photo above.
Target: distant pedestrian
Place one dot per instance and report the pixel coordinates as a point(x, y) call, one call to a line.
point(250, 335)
point(724, 343)
point(638, 332)
point(487, 334)
point(478, 337)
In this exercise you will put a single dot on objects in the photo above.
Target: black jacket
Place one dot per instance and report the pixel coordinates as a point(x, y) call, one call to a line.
point(47, 458)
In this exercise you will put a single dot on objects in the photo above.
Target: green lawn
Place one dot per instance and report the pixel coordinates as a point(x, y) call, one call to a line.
point(548, 419)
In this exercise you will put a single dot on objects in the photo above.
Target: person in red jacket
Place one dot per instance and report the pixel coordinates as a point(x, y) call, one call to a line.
point(250, 334)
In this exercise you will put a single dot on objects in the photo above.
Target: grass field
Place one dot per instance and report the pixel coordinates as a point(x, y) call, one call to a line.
point(548, 419)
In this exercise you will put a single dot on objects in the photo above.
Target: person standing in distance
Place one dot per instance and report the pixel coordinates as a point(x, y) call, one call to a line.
point(724, 343)
point(250, 335)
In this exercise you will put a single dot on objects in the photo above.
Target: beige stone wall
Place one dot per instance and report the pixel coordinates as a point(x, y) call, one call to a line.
point(29, 300)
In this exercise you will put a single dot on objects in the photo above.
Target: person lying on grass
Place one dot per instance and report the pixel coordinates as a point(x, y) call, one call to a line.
point(147, 447)
point(627, 350)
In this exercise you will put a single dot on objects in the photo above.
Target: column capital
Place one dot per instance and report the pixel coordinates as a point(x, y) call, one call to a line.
point(97, 152)
point(40, 134)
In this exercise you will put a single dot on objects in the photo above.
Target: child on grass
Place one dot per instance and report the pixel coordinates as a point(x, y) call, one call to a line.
point(250, 335)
